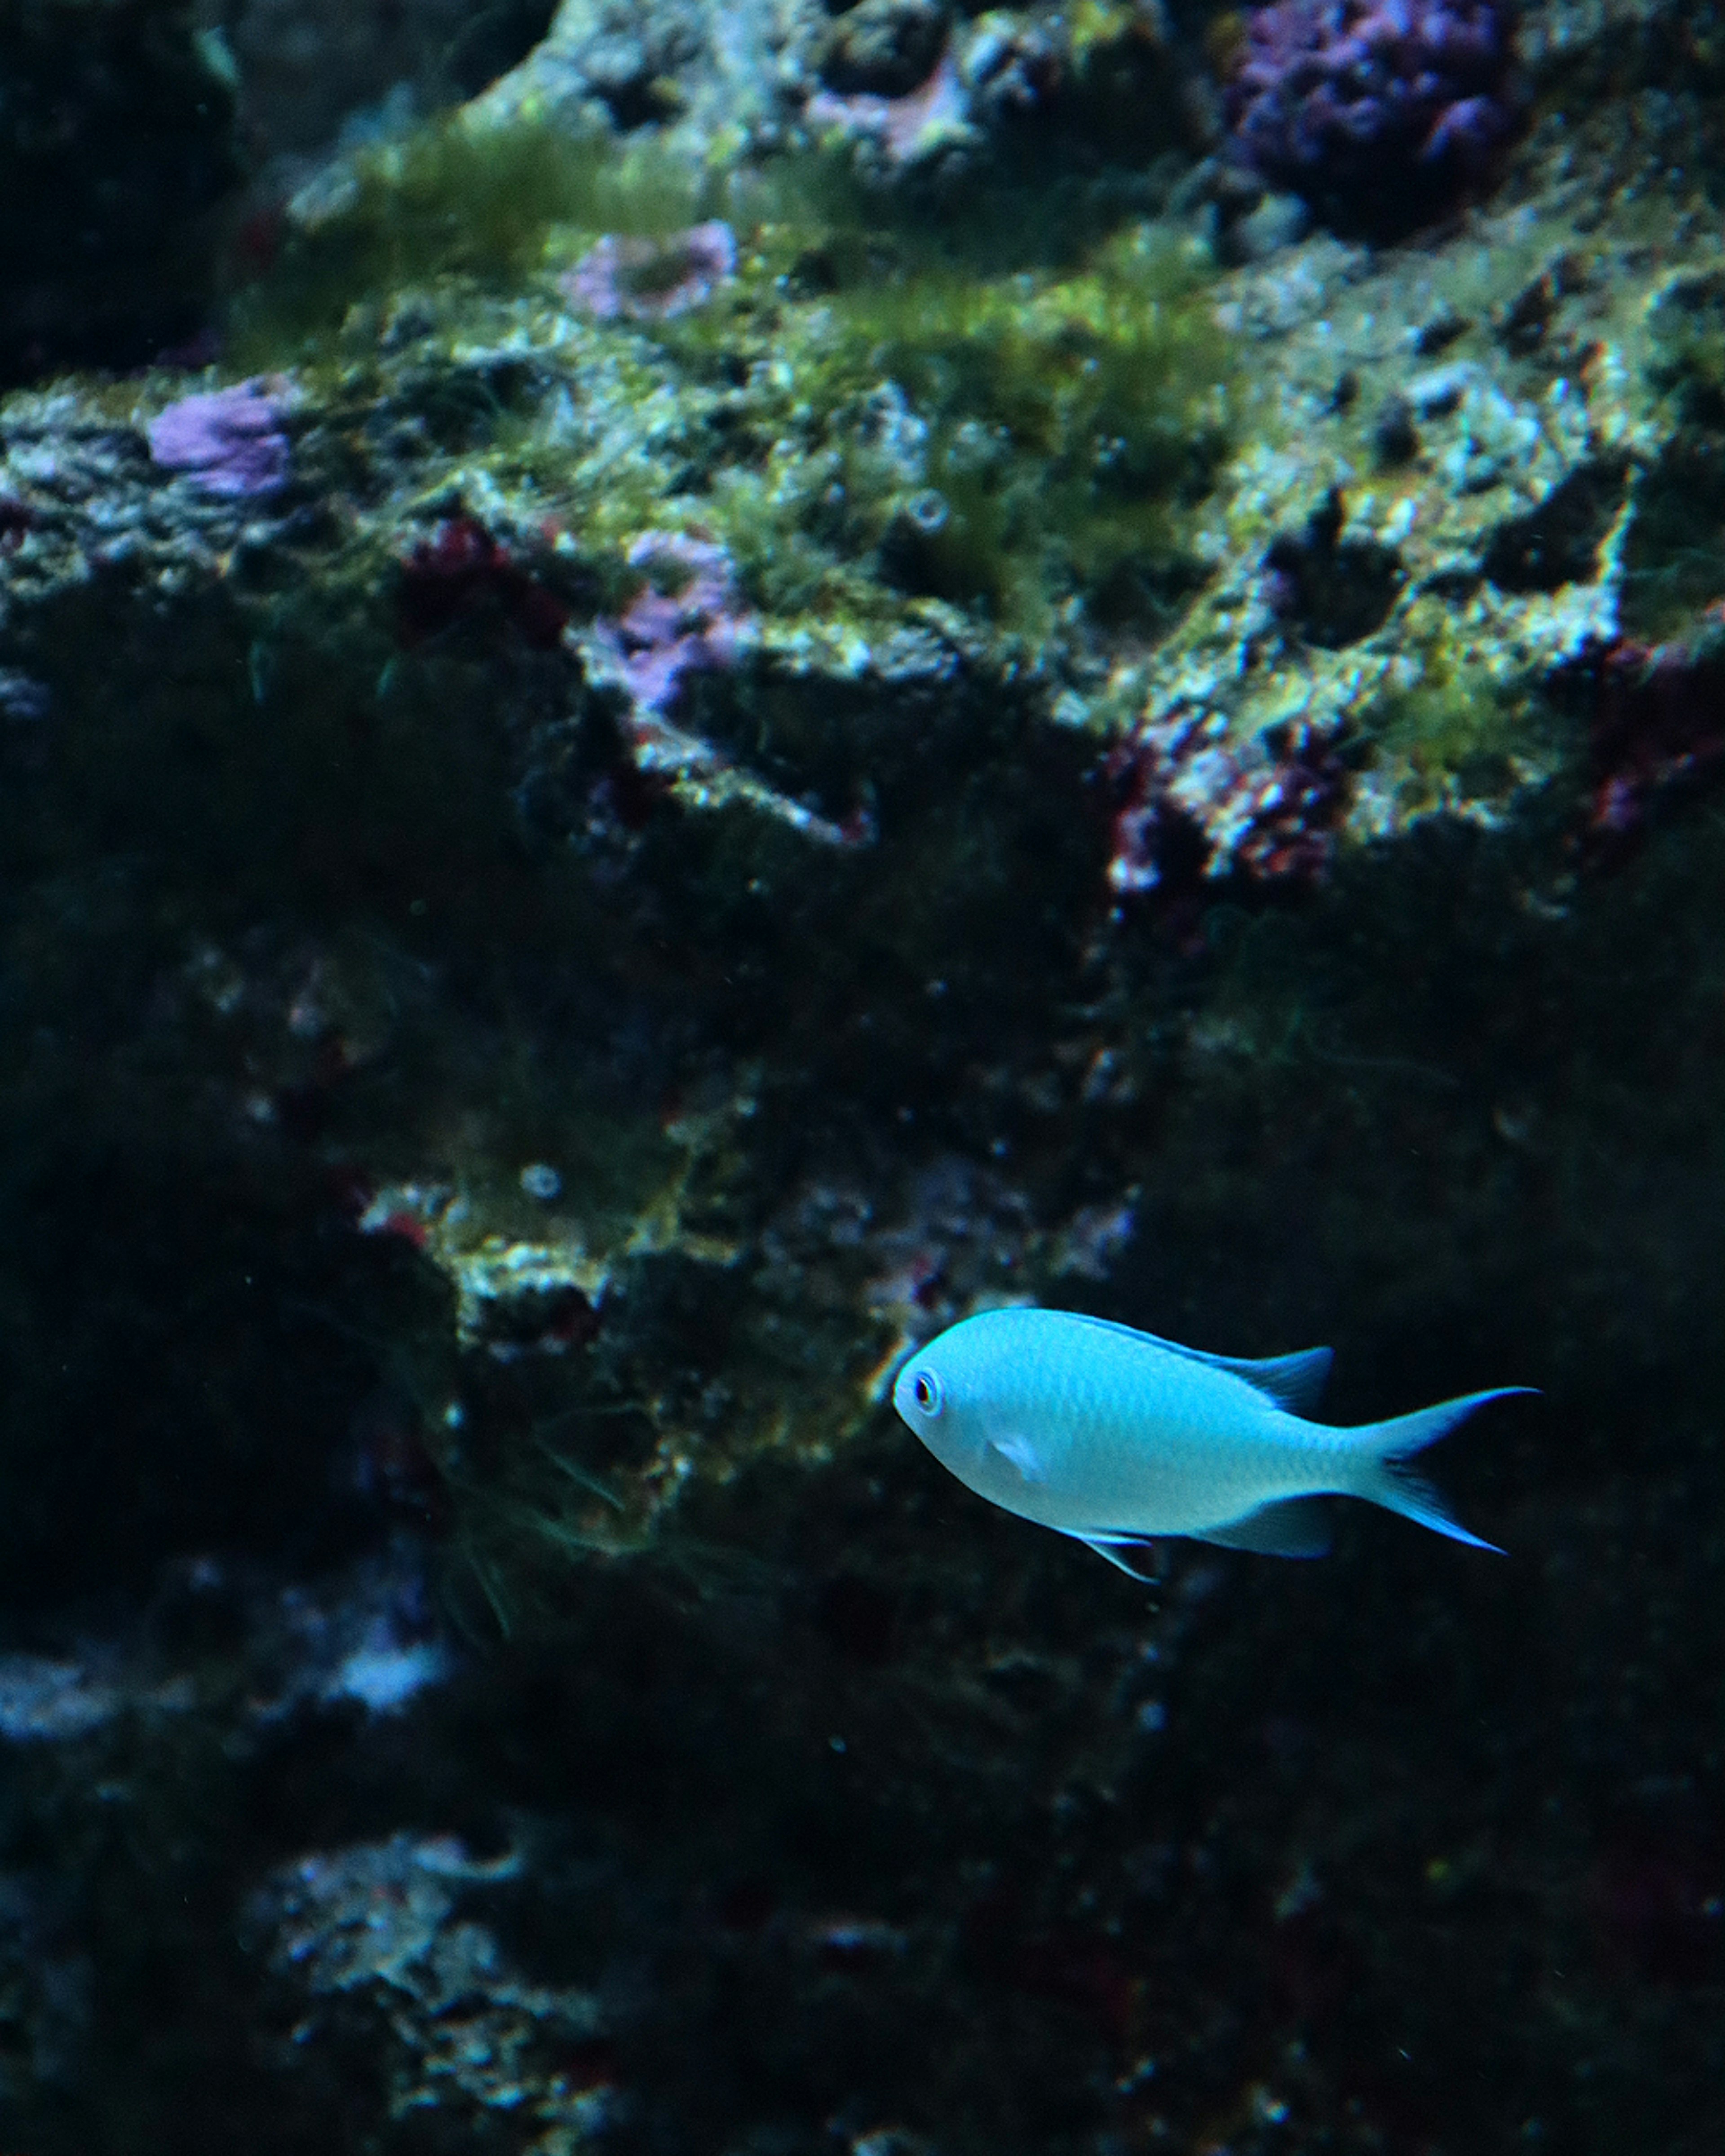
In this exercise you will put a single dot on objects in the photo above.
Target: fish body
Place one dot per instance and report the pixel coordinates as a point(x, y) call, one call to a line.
point(1115, 1436)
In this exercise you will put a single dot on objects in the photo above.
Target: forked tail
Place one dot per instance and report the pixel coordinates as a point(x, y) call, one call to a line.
point(1383, 1448)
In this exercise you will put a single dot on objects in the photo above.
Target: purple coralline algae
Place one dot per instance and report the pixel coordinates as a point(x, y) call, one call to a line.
point(1379, 112)
point(1196, 809)
point(684, 619)
point(228, 441)
point(651, 280)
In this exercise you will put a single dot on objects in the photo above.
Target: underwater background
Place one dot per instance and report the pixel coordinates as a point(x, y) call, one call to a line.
point(688, 686)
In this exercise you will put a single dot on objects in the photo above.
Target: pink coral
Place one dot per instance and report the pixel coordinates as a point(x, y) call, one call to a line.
point(686, 620)
point(651, 280)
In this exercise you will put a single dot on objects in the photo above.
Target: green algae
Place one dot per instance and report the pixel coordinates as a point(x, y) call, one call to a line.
point(1447, 736)
point(1067, 421)
point(1686, 333)
point(1007, 442)
point(1672, 556)
point(455, 200)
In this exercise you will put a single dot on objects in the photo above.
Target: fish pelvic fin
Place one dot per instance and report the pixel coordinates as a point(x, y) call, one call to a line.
point(1135, 1557)
point(1384, 1477)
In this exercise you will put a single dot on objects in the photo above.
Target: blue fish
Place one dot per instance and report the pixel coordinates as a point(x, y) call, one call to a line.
point(1114, 1436)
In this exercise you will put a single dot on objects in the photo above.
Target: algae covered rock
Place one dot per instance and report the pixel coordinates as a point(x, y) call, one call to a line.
point(796, 697)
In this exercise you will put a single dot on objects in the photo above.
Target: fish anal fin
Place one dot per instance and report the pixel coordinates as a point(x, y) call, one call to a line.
point(1399, 1488)
point(1136, 1559)
point(1293, 1526)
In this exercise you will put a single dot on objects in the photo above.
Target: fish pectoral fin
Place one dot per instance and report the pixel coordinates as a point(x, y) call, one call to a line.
point(1136, 1559)
point(1293, 1527)
point(1021, 1454)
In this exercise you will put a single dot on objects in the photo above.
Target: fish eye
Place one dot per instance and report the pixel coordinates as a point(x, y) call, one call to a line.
point(926, 1391)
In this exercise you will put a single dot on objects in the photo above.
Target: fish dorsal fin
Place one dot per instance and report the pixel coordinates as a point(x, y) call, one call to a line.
point(1293, 1527)
point(1135, 1558)
point(1295, 1382)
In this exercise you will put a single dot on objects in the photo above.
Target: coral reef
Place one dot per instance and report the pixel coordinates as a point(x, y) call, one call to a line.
point(1011, 98)
point(705, 69)
point(367, 1931)
point(919, 124)
point(685, 618)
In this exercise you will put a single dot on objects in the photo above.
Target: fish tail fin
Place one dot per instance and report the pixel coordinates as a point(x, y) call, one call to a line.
point(1383, 1450)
